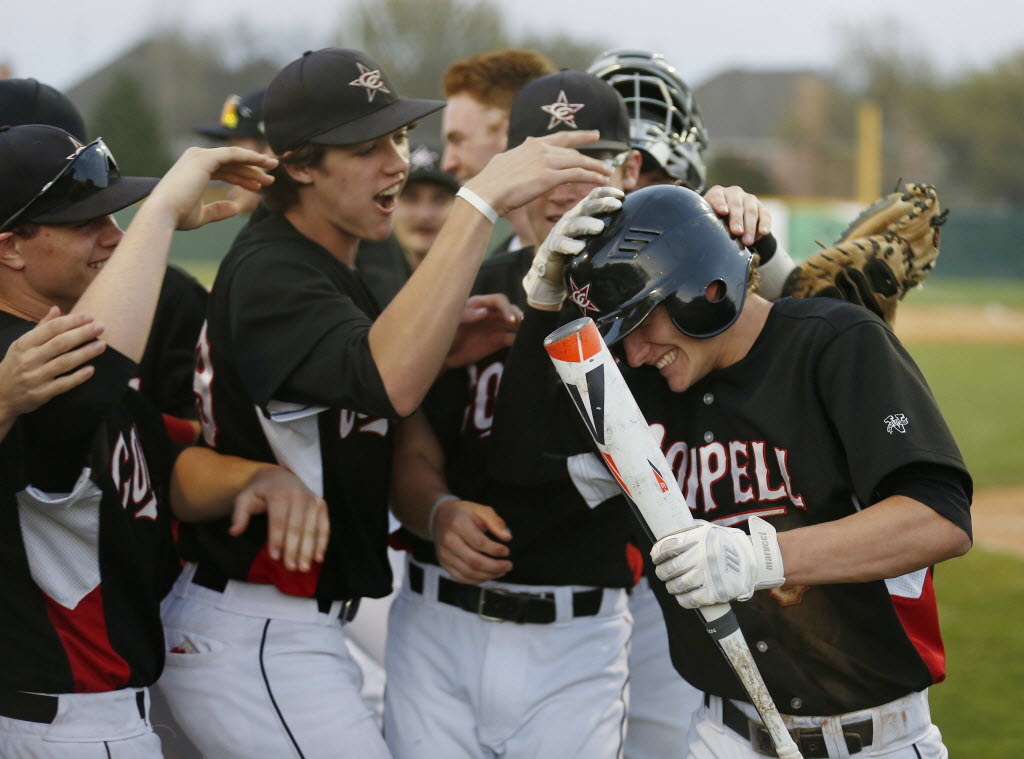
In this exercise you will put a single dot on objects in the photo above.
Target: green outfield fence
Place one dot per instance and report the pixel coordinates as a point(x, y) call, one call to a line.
point(981, 244)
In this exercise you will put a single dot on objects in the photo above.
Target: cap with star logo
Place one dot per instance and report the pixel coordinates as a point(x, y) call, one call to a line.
point(568, 100)
point(424, 167)
point(335, 96)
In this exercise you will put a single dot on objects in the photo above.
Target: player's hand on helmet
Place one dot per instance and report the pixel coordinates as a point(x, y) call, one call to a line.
point(466, 536)
point(544, 285)
point(488, 324)
point(747, 217)
point(707, 564)
point(297, 523)
point(180, 191)
point(512, 179)
point(47, 361)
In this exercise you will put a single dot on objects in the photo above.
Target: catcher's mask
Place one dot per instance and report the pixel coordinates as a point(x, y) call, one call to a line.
point(668, 246)
point(664, 121)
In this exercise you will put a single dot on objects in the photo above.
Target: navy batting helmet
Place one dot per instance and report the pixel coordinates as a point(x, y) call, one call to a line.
point(667, 246)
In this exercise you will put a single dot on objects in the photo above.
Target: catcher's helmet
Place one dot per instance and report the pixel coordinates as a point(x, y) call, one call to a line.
point(666, 245)
point(665, 122)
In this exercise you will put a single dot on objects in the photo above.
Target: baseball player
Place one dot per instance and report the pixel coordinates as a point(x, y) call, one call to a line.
point(479, 91)
point(298, 365)
point(85, 477)
point(240, 124)
point(667, 129)
point(449, 694)
point(847, 509)
point(165, 371)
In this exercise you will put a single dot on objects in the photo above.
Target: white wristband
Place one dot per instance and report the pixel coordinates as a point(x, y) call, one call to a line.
point(433, 509)
point(478, 203)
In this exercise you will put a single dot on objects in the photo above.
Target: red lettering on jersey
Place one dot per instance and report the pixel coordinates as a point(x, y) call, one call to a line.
point(130, 473)
point(483, 392)
point(767, 492)
point(783, 458)
point(713, 465)
point(739, 472)
point(202, 388)
point(362, 423)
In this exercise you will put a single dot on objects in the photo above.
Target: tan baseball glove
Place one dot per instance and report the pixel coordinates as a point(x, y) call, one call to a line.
point(887, 250)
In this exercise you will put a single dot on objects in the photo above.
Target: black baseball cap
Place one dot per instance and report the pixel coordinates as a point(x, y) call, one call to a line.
point(48, 176)
point(27, 101)
point(423, 167)
point(568, 100)
point(240, 116)
point(335, 96)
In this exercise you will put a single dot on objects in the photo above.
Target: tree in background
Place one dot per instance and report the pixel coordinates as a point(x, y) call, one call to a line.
point(416, 41)
point(128, 123)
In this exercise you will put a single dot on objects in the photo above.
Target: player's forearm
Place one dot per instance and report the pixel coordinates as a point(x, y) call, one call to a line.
point(889, 539)
point(410, 339)
point(124, 294)
point(419, 474)
point(204, 483)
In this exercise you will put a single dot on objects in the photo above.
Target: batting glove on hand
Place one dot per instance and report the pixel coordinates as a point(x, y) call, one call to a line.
point(707, 564)
point(543, 283)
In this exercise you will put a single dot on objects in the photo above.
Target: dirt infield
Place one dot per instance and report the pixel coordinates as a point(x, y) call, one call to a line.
point(990, 324)
point(998, 518)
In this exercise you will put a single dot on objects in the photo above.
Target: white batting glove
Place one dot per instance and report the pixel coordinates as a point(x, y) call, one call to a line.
point(543, 283)
point(707, 564)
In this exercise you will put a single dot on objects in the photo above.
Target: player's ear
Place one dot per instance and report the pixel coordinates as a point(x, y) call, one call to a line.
point(300, 174)
point(10, 256)
point(631, 170)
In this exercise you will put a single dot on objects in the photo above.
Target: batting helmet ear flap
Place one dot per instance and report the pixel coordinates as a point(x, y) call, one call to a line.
point(667, 246)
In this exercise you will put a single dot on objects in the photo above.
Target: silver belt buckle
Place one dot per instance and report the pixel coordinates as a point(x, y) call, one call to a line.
point(346, 607)
point(483, 599)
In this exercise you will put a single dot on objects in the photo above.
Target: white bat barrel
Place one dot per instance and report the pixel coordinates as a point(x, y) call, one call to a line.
point(633, 456)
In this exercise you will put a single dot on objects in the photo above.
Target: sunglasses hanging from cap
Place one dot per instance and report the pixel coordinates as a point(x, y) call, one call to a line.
point(91, 167)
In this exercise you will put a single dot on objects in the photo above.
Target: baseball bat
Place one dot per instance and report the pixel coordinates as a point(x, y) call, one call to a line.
point(623, 437)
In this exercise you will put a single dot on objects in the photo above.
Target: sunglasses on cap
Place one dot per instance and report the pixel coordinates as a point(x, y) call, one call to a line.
point(91, 167)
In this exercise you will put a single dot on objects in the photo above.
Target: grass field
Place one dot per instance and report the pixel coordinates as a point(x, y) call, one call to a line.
point(978, 388)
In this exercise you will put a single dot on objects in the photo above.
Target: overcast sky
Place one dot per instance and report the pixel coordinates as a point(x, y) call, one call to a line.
point(60, 42)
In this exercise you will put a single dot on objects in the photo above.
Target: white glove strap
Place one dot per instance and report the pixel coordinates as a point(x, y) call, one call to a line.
point(478, 203)
point(768, 555)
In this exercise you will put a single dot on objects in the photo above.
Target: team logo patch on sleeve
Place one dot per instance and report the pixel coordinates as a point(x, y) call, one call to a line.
point(369, 81)
point(896, 422)
point(562, 111)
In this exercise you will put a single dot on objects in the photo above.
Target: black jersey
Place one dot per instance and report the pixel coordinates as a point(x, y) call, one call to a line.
point(85, 540)
point(806, 429)
point(284, 373)
point(383, 267)
point(165, 371)
point(558, 539)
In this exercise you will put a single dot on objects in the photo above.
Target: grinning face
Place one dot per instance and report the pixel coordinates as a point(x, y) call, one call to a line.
point(682, 360)
point(354, 190)
point(473, 134)
point(422, 209)
point(61, 260)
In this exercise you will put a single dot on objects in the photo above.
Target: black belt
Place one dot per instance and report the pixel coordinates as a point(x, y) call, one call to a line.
point(39, 707)
point(210, 576)
point(499, 605)
point(809, 740)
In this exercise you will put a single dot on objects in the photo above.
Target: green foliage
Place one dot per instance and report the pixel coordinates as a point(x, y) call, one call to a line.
point(977, 123)
point(127, 122)
point(977, 387)
point(977, 707)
